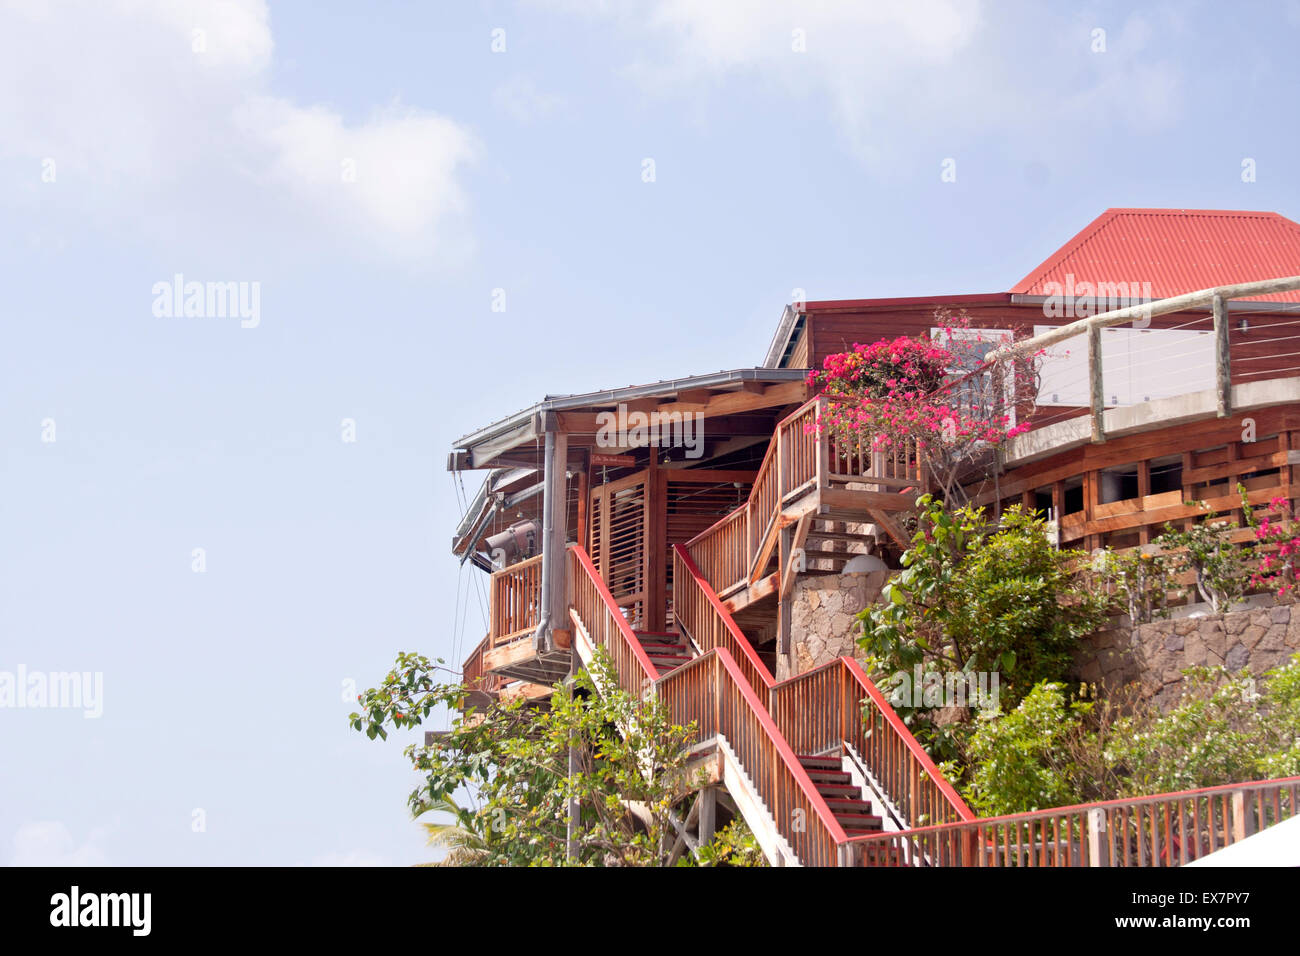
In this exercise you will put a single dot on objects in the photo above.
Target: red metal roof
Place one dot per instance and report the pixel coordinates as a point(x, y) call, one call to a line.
point(1175, 250)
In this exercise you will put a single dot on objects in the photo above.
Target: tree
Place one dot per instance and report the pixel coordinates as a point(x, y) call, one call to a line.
point(464, 846)
point(914, 396)
point(979, 595)
point(511, 760)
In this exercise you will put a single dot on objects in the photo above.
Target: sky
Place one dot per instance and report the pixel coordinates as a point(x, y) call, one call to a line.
point(405, 220)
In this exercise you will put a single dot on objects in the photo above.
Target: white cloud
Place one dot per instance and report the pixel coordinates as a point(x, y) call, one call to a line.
point(164, 107)
point(906, 70)
point(51, 843)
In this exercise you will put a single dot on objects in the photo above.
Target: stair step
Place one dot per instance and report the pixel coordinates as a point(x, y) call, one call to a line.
point(840, 536)
point(853, 823)
point(823, 555)
point(848, 805)
point(673, 634)
point(670, 648)
point(838, 789)
point(828, 776)
point(820, 763)
point(665, 668)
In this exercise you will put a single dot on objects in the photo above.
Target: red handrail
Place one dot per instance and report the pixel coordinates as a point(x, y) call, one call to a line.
point(764, 774)
point(926, 774)
point(759, 677)
point(1131, 829)
point(909, 741)
point(613, 611)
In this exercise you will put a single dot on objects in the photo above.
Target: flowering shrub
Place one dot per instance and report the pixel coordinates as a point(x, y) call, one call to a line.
point(1277, 571)
point(904, 394)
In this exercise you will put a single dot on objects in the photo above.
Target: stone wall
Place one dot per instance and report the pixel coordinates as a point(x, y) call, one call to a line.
point(823, 618)
point(1255, 638)
point(824, 625)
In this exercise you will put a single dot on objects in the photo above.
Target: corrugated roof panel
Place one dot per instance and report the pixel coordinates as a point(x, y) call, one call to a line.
point(1176, 251)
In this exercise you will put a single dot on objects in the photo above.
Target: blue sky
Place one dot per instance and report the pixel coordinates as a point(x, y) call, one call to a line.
point(133, 148)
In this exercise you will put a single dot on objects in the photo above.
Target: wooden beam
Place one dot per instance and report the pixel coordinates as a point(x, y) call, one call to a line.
point(1222, 358)
point(791, 557)
point(1096, 384)
point(890, 526)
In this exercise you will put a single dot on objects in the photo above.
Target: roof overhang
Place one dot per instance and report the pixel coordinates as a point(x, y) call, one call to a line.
point(717, 394)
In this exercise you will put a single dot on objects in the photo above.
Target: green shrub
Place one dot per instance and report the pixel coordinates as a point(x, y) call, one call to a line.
point(982, 595)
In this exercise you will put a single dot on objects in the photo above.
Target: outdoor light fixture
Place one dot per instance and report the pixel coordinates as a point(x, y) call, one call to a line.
point(864, 563)
point(1245, 326)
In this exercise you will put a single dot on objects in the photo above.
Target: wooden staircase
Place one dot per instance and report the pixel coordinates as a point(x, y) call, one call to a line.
point(667, 650)
point(842, 796)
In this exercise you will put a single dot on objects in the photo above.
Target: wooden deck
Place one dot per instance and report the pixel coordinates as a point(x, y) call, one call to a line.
point(814, 498)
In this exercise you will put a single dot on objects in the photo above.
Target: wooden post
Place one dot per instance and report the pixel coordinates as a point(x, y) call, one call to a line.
point(708, 814)
point(1144, 490)
point(584, 491)
point(1242, 824)
point(1222, 357)
point(655, 543)
point(1096, 384)
point(1096, 836)
point(823, 446)
point(557, 547)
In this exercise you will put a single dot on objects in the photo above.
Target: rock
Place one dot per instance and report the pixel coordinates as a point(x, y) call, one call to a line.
point(1274, 640)
point(1251, 635)
point(1174, 642)
point(1237, 657)
point(1280, 614)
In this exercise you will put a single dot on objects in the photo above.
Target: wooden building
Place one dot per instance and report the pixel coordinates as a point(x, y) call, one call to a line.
point(670, 522)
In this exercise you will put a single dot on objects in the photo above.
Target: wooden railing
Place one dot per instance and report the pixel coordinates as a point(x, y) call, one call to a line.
point(516, 599)
point(716, 693)
point(605, 623)
point(825, 707)
point(473, 674)
point(701, 617)
point(1217, 299)
point(713, 691)
point(800, 449)
point(767, 724)
point(1168, 829)
point(837, 703)
point(762, 506)
point(722, 551)
point(803, 456)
